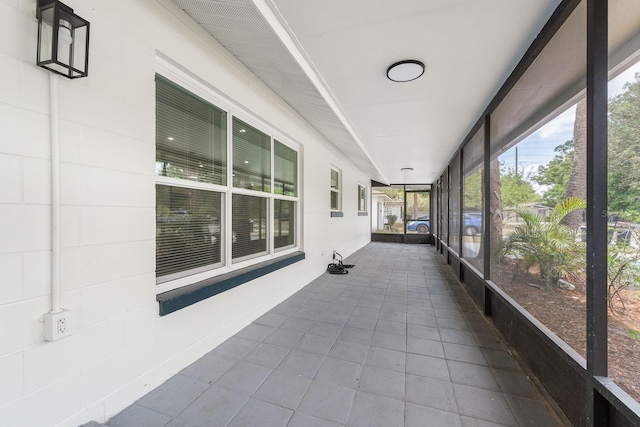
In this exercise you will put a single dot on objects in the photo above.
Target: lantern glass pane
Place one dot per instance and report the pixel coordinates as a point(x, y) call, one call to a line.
point(45, 50)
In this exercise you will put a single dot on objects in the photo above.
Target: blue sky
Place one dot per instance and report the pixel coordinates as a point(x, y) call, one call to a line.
point(538, 148)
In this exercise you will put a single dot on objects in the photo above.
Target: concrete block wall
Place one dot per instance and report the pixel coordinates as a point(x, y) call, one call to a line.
point(120, 348)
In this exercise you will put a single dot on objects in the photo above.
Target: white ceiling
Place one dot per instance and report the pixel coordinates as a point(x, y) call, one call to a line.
point(328, 60)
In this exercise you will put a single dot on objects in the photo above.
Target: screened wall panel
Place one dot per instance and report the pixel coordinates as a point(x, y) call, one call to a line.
point(472, 200)
point(191, 136)
point(555, 78)
point(444, 210)
point(454, 204)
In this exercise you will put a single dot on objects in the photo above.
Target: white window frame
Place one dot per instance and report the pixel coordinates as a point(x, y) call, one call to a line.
point(337, 191)
point(363, 189)
point(196, 86)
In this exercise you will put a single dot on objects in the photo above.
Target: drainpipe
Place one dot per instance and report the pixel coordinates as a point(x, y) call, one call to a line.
point(55, 195)
point(57, 323)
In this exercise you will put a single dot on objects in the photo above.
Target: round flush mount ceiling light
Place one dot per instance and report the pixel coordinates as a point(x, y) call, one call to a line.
point(405, 71)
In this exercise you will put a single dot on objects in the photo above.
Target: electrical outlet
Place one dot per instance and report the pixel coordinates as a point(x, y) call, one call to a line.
point(57, 325)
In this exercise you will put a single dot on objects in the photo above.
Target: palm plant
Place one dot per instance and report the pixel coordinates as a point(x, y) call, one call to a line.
point(546, 243)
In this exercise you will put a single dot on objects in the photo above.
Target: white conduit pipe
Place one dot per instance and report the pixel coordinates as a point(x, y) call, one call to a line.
point(56, 289)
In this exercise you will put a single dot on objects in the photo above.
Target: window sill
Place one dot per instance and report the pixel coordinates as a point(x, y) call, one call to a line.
point(363, 214)
point(337, 214)
point(178, 299)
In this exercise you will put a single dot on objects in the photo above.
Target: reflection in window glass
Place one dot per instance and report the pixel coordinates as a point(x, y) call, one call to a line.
point(387, 209)
point(285, 170)
point(362, 199)
point(251, 157)
point(249, 226)
point(191, 136)
point(624, 230)
point(472, 170)
point(187, 231)
point(284, 223)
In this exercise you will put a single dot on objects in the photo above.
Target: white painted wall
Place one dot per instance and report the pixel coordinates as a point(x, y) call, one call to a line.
point(120, 348)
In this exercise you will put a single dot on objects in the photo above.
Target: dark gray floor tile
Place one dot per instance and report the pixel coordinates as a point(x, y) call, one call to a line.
point(530, 412)
point(390, 341)
point(502, 360)
point(457, 337)
point(340, 372)
point(489, 341)
point(391, 327)
point(383, 382)
point(328, 401)
point(174, 395)
point(328, 330)
point(315, 344)
point(235, 348)
point(515, 383)
point(284, 337)
point(473, 375)
point(390, 306)
point(360, 336)
point(421, 416)
point(272, 319)
point(335, 318)
point(268, 355)
point(475, 422)
point(425, 347)
point(350, 351)
point(209, 368)
point(255, 332)
point(284, 389)
point(177, 423)
point(258, 413)
point(300, 419)
point(361, 323)
point(421, 319)
point(424, 332)
point(430, 392)
point(481, 327)
point(367, 302)
point(139, 416)
point(298, 324)
point(464, 353)
point(244, 377)
point(484, 404)
point(427, 366)
point(394, 316)
point(448, 314)
point(302, 363)
point(367, 313)
point(376, 411)
point(215, 407)
point(386, 358)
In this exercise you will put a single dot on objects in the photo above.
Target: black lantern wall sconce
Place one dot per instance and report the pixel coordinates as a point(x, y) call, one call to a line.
point(63, 39)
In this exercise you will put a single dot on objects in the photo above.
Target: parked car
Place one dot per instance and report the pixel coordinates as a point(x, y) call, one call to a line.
point(471, 224)
point(420, 224)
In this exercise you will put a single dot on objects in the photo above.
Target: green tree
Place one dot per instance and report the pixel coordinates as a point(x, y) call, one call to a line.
point(472, 198)
point(624, 148)
point(516, 190)
point(556, 173)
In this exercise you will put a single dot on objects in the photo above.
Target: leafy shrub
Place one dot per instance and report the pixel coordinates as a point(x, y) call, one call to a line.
point(547, 244)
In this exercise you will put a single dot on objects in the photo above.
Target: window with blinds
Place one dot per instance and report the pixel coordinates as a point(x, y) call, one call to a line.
point(188, 226)
point(335, 190)
point(284, 223)
point(207, 216)
point(249, 226)
point(285, 170)
point(191, 136)
point(251, 157)
point(362, 198)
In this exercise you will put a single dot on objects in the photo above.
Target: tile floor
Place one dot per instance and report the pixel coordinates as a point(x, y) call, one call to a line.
point(396, 342)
